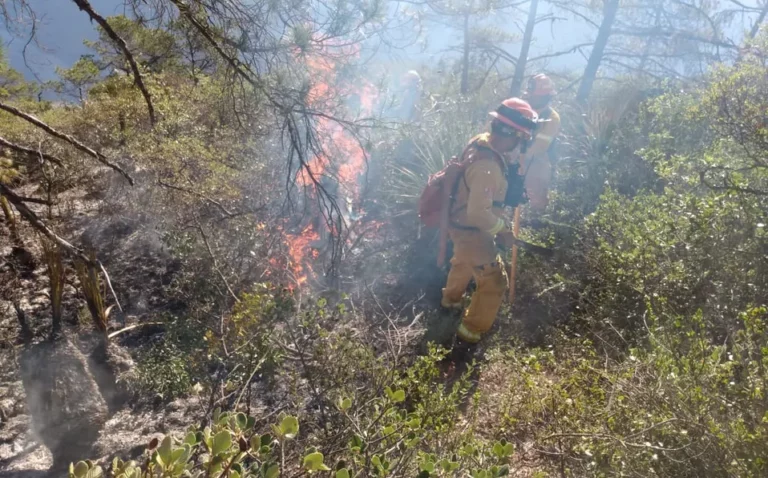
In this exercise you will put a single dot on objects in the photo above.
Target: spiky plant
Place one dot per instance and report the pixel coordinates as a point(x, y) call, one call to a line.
point(56, 277)
point(91, 285)
point(441, 136)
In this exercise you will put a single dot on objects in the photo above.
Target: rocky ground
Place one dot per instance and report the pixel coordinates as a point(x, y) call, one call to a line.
point(140, 268)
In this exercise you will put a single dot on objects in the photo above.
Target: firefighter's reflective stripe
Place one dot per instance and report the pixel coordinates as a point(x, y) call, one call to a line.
point(500, 225)
point(467, 335)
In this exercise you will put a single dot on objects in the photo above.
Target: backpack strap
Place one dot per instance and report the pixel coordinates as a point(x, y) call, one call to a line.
point(455, 188)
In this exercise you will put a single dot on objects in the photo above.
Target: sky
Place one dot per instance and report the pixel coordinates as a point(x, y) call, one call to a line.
point(63, 27)
point(61, 31)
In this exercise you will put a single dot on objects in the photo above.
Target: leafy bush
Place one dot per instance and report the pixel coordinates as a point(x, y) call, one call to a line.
point(391, 435)
point(162, 371)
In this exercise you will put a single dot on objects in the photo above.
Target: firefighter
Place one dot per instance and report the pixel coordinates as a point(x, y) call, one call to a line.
point(477, 222)
point(410, 93)
point(537, 160)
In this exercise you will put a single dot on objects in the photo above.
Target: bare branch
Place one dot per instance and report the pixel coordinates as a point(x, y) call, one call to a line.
point(65, 137)
point(573, 49)
point(658, 31)
point(215, 203)
point(86, 7)
point(36, 201)
point(30, 152)
point(215, 262)
point(39, 224)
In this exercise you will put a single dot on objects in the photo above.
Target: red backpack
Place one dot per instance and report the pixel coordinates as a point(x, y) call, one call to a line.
point(437, 198)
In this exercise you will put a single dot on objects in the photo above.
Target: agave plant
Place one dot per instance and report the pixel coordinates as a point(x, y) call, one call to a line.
point(431, 146)
point(91, 285)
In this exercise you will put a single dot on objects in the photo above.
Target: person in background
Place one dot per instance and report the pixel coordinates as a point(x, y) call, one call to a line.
point(537, 162)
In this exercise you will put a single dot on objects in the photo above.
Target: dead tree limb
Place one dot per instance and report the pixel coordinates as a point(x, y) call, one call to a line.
point(87, 8)
point(26, 333)
point(30, 152)
point(41, 227)
point(65, 137)
point(39, 224)
point(205, 198)
point(44, 202)
point(215, 262)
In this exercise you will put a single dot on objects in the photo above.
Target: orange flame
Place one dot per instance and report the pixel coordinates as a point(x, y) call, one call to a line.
point(348, 156)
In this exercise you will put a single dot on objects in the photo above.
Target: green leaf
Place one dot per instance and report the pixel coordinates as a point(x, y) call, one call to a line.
point(81, 469)
point(356, 443)
point(176, 454)
point(503, 450)
point(95, 472)
point(164, 452)
point(398, 396)
point(190, 439)
point(343, 473)
point(242, 421)
point(250, 423)
point(314, 462)
point(509, 448)
point(221, 442)
point(345, 404)
point(255, 444)
point(273, 471)
point(289, 427)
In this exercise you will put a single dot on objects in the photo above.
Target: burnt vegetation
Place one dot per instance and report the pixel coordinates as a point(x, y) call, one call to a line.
point(211, 262)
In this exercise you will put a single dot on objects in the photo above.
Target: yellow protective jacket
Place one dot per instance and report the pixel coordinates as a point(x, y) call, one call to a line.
point(536, 162)
point(480, 196)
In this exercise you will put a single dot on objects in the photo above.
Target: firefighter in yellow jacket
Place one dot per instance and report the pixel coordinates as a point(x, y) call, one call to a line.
point(536, 159)
point(487, 186)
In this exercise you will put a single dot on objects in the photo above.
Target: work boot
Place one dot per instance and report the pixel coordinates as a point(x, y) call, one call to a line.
point(462, 352)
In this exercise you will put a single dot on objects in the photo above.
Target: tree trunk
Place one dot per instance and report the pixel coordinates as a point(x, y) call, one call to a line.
point(522, 59)
point(610, 8)
point(759, 21)
point(465, 61)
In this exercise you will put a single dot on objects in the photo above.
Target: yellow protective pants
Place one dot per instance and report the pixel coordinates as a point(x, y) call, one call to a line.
point(474, 255)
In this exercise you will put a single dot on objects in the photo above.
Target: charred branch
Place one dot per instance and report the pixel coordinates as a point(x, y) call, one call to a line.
point(44, 202)
point(217, 204)
point(664, 33)
point(30, 152)
point(65, 137)
point(21, 316)
point(87, 8)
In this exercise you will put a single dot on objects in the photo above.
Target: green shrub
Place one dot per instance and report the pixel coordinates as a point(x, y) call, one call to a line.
point(162, 371)
point(389, 435)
